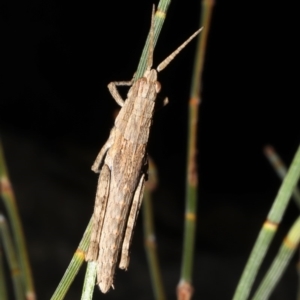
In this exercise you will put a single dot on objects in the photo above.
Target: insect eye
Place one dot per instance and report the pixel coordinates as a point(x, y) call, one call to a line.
point(157, 86)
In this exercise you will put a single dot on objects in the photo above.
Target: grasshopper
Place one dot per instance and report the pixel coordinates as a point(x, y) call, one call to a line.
point(122, 164)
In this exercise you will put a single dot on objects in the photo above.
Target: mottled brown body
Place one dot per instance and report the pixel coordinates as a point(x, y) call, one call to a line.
point(122, 164)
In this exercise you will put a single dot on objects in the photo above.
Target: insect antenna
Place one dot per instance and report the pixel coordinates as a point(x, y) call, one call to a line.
point(167, 60)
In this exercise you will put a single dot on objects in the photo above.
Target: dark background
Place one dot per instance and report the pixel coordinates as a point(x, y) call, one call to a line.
point(56, 113)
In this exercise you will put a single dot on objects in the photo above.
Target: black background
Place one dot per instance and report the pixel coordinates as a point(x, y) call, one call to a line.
point(56, 113)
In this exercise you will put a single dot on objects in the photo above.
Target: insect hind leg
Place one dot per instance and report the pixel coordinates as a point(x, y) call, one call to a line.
point(102, 195)
point(134, 211)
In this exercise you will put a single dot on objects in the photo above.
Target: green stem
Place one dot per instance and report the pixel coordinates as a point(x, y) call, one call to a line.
point(280, 263)
point(280, 169)
point(9, 200)
point(74, 266)
point(13, 264)
point(89, 281)
point(159, 19)
point(269, 228)
point(149, 234)
point(3, 290)
point(185, 284)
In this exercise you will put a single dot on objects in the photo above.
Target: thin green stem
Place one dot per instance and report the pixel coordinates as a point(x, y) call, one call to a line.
point(184, 288)
point(3, 290)
point(268, 230)
point(280, 263)
point(89, 281)
point(9, 200)
point(280, 169)
point(205, 21)
point(74, 266)
point(298, 271)
point(13, 263)
point(149, 234)
point(159, 19)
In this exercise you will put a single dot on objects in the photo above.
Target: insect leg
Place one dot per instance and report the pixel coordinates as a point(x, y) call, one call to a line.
point(114, 91)
point(99, 159)
point(134, 211)
point(102, 195)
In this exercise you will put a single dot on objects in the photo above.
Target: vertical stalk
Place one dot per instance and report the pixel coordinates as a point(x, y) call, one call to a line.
point(184, 288)
point(3, 290)
point(160, 16)
point(89, 281)
point(9, 200)
point(13, 264)
point(149, 234)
